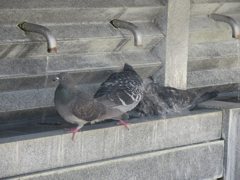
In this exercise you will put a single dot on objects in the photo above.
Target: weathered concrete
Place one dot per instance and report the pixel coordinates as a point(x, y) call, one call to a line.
point(30, 67)
point(78, 15)
point(202, 7)
point(203, 29)
point(213, 77)
point(231, 134)
point(76, 39)
point(201, 64)
point(175, 47)
point(213, 56)
point(26, 154)
point(203, 161)
point(213, 50)
point(29, 4)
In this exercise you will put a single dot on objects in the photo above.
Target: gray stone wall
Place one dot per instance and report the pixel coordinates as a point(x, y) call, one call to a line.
point(213, 57)
point(231, 136)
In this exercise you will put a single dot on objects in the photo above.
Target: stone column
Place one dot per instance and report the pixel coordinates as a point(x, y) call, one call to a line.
point(174, 23)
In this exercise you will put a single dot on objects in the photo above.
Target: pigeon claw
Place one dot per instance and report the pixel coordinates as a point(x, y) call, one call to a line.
point(74, 131)
point(125, 124)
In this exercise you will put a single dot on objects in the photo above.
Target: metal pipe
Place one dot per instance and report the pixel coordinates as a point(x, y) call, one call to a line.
point(51, 41)
point(131, 27)
point(232, 22)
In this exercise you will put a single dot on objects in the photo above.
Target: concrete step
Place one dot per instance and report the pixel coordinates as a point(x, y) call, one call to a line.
point(48, 150)
point(200, 64)
point(45, 4)
point(204, 29)
point(61, 12)
point(200, 7)
point(214, 50)
point(213, 77)
point(90, 68)
point(206, 164)
point(72, 39)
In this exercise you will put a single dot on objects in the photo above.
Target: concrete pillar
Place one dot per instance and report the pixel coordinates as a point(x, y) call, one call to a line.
point(174, 23)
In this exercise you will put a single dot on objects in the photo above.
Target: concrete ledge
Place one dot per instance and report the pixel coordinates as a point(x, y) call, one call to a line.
point(45, 4)
point(213, 50)
point(200, 7)
point(44, 151)
point(78, 15)
point(213, 77)
point(203, 161)
point(197, 64)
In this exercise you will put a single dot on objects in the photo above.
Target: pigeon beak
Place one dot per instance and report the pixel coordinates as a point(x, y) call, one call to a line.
point(56, 78)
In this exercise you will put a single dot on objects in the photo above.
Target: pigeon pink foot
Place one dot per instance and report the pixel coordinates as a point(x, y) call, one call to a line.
point(74, 131)
point(121, 122)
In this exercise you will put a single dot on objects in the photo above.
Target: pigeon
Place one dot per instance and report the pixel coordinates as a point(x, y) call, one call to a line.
point(120, 93)
point(162, 101)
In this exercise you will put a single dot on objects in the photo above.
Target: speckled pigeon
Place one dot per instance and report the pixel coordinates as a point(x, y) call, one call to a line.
point(160, 101)
point(120, 93)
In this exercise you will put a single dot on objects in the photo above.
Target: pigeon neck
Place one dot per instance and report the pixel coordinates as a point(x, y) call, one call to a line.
point(65, 91)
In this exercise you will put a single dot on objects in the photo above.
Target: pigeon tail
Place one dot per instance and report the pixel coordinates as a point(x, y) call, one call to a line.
point(204, 97)
point(208, 95)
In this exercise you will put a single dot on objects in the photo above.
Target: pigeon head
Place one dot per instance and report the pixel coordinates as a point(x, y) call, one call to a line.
point(64, 78)
point(128, 67)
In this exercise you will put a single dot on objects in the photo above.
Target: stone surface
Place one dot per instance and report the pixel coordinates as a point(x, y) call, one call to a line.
point(213, 77)
point(22, 66)
point(213, 49)
point(43, 151)
point(77, 16)
point(41, 4)
point(217, 6)
point(197, 64)
point(27, 99)
point(203, 161)
point(22, 73)
point(231, 134)
point(75, 31)
point(203, 29)
point(176, 44)
point(76, 39)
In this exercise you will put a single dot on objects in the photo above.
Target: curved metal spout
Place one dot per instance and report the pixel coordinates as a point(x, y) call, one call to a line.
point(51, 41)
point(232, 22)
point(131, 27)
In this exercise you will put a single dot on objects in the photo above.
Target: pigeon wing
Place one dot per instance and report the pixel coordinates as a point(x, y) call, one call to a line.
point(87, 110)
point(120, 89)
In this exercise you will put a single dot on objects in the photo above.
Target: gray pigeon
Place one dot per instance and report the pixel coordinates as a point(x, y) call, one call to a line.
point(160, 101)
point(116, 96)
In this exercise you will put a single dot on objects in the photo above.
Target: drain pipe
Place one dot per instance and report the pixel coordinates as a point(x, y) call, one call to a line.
point(232, 22)
point(51, 41)
point(131, 27)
